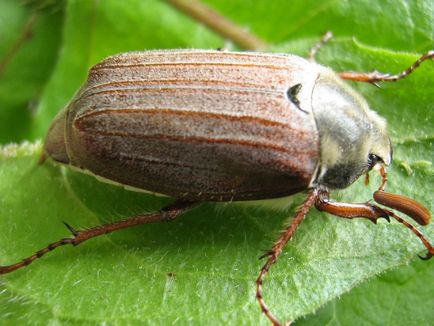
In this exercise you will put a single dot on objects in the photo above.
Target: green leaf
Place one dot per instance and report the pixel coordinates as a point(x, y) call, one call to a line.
point(96, 30)
point(28, 49)
point(400, 297)
point(201, 268)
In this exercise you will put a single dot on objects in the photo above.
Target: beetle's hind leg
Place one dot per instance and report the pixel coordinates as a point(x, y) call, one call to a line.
point(375, 76)
point(167, 213)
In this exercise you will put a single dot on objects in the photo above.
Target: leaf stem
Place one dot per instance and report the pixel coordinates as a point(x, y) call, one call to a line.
point(220, 24)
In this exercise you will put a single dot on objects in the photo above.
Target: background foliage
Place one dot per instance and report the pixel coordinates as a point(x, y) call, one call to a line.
point(201, 268)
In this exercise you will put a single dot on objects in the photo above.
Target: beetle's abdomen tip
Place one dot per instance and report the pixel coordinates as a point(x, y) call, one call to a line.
point(55, 146)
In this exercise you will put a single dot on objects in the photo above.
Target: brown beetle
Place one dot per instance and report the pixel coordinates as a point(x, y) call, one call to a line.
point(221, 126)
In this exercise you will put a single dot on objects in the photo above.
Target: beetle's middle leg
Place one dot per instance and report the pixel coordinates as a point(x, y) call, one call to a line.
point(375, 76)
point(314, 50)
point(168, 213)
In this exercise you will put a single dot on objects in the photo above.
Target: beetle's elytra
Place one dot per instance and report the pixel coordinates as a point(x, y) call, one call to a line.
point(217, 126)
point(164, 114)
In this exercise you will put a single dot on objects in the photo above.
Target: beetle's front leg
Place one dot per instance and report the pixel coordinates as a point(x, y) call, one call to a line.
point(370, 211)
point(364, 210)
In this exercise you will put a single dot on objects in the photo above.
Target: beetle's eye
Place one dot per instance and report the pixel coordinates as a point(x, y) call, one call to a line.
point(373, 159)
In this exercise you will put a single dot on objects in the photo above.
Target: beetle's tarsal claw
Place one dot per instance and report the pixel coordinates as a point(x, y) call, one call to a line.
point(375, 219)
point(387, 218)
point(71, 229)
point(428, 256)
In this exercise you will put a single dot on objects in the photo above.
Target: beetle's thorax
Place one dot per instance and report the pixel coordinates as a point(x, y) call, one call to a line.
point(350, 132)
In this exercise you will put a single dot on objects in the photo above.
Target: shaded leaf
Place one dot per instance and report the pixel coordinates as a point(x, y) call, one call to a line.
point(29, 42)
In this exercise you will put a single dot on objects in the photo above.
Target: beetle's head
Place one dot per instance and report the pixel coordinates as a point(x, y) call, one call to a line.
point(353, 138)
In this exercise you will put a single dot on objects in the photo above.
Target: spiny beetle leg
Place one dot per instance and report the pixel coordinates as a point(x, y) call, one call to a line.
point(168, 213)
point(375, 76)
point(277, 249)
point(267, 253)
point(73, 231)
point(413, 229)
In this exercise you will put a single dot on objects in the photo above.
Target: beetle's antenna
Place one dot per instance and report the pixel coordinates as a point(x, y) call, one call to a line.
point(314, 50)
point(367, 179)
point(375, 76)
point(275, 252)
point(168, 213)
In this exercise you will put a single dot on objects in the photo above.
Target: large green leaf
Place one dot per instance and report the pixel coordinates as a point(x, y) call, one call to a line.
point(201, 268)
point(401, 297)
point(29, 41)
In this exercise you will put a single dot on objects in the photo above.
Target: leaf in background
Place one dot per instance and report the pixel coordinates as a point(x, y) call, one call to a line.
point(94, 30)
point(394, 24)
point(201, 268)
point(29, 42)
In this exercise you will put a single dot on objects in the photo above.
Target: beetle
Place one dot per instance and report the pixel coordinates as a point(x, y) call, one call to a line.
point(201, 125)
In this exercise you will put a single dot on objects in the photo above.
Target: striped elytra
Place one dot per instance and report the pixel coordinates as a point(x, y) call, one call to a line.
point(197, 125)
